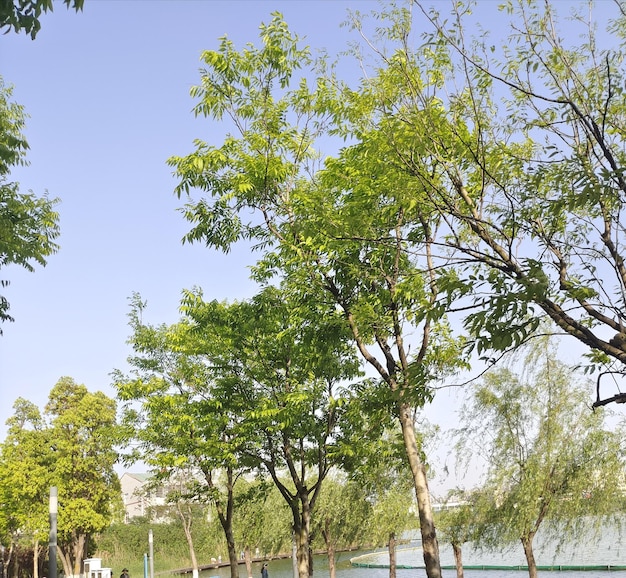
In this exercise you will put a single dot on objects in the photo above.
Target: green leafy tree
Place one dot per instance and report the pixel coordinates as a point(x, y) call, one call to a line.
point(181, 502)
point(281, 361)
point(28, 224)
point(18, 15)
point(25, 472)
point(461, 520)
point(83, 435)
point(179, 418)
point(340, 233)
point(239, 387)
point(71, 446)
point(380, 468)
point(262, 520)
point(516, 143)
point(551, 462)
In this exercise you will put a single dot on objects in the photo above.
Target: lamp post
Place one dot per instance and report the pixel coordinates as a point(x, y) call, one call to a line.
point(151, 550)
point(52, 546)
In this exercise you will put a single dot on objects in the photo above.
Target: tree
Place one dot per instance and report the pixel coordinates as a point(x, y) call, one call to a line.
point(178, 417)
point(340, 233)
point(460, 521)
point(71, 446)
point(516, 144)
point(25, 479)
point(262, 520)
point(341, 518)
point(241, 386)
point(282, 361)
point(551, 462)
point(28, 224)
point(181, 502)
point(83, 434)
point(25, 14)
point(379, 466)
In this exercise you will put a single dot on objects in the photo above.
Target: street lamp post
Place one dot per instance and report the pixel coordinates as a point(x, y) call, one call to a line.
point(52, 546)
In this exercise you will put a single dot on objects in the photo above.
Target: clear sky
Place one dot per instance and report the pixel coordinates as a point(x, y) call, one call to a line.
point(107, 92)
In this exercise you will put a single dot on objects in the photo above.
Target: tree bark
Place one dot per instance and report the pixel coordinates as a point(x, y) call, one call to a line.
point(302, 550)
point(247, 556)
point(430, 546)
point(36, 558)
point(65, 562)
point(527, 542)
point(330, 547)
point(458, 559)
point(187, 520)
point(392, 555)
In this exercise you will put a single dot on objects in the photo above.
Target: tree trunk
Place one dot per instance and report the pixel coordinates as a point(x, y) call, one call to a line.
point(187, 522)
point(247, 556)
point(527, 542)
point(6, 562)
point(79, 550)
point(225, 515)
point(232, 555)
point(430, 546)
point(331, 560)
point(65, 562)
point(36, 558)
point(294, 555)
point(330, 548)
point(458, 559)
point(392, 555)
point(302, 550)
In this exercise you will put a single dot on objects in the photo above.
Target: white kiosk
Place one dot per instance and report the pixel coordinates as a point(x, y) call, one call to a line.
point(93, 568)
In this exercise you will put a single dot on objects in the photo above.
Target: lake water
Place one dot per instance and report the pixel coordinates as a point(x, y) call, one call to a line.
point(607, 550)
point(283, 568)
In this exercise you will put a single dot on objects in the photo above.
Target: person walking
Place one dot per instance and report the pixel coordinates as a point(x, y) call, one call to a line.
point(264, 571)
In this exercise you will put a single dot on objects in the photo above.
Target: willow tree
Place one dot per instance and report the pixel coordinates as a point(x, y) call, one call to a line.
point(339, 233)
point(341, 520)
point(551, 463)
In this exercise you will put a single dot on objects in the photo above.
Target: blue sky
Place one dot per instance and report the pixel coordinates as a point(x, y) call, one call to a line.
point(107, 92)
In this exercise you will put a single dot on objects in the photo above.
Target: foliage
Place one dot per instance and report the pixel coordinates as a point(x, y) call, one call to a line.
point(241, 387)
point(25, 479)
point(71, 446)
point(84, 435)
point(515, 145)
point(18, 15)
point(341, 518)
point(176, 421)
point(262, 519)
point(28, 224)
point(281, 362)
point(551, 462)
point(338, 233)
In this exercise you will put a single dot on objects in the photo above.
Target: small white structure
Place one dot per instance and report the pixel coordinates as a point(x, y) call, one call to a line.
point(93, 568)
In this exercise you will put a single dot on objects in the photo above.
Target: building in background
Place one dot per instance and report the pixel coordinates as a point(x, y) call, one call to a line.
point(139, 499)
